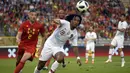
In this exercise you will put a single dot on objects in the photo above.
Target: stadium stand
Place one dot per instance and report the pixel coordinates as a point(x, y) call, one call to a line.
point(103, 14)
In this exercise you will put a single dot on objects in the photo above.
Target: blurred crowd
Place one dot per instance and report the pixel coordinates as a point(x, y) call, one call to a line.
point(102, 14)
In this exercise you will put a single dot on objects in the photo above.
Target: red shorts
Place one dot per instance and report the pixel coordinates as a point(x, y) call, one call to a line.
point(30, 49)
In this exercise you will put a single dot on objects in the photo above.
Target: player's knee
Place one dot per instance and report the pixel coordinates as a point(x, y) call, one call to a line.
point(41, 64)
point(60, 57)
point(120, 49)
point(92, 52)
point(87, 51)
point(111, 46)
point(60, 60)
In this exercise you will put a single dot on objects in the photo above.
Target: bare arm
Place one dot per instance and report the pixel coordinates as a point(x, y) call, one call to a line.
point(57, 21)
point(75, 49)
point(18, 37)
point(122, 30)
point(76, 52)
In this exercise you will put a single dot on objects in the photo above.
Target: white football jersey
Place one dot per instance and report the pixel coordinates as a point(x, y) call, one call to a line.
point(63, 33)
point(90, 35)
point(120, 26)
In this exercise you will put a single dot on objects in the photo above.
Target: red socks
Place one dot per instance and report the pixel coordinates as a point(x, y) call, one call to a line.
point(19, 67)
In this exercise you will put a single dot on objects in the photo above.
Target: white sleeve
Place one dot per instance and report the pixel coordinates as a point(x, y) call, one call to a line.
point(95, 35)
point(63, 22)
point(125, 25)
point(86, 36)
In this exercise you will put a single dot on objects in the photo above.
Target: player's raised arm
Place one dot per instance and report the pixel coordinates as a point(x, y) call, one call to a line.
point(122, 30)
point(57, 21)
point(74, 43)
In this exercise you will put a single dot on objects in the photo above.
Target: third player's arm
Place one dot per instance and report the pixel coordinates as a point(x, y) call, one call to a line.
point(122, 30)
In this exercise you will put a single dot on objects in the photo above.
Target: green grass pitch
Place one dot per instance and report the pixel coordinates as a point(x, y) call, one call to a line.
point(8, 65)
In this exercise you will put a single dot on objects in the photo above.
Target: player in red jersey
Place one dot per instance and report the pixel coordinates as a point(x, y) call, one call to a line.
point(27, 38)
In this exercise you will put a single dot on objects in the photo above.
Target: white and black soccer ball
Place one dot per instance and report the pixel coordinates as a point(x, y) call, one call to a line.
point(82, 6)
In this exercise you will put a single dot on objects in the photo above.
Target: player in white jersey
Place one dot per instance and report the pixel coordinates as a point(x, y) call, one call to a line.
point(90, 38)
point(54, 44)
point(118, 40)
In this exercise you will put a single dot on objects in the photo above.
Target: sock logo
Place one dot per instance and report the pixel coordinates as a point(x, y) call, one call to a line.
point(11, 53)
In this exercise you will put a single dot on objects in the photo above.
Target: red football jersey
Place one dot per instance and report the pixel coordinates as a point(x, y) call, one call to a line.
point(30, 33)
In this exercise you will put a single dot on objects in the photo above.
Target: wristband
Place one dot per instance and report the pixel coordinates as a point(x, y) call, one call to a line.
point(78, 57)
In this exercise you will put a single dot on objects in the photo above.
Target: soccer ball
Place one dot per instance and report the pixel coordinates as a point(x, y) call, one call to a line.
point(82, 6)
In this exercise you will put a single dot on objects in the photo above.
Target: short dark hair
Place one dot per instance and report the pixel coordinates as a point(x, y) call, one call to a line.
point(71, 16)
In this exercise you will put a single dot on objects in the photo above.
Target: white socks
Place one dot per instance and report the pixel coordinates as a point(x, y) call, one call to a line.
point(110, 53)
point(86, 55)
point(54, 66)
point(122, 56)
point(93, 56)
point(36, 70)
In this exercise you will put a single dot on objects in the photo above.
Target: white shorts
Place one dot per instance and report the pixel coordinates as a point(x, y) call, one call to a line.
point(118, 41)
point(49, 50)
point(91, 47)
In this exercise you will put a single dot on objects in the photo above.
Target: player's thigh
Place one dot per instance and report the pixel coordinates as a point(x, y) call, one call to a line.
point(87, 47)
point(19, 54)
point(26, 56)
point(57, 49)
point(120, 43)
point(114, 42)
point(46, 54)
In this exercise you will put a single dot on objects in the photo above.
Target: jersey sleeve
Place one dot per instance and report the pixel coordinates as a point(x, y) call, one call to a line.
point(86, 36)
point(95, 35)
point(64, 22)
point(125, 25)
point(42, 29)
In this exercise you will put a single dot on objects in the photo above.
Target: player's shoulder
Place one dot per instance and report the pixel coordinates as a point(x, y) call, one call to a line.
point(63, 20)
point(94, 32)
point(75, 31)
point(38, 23)
point(125, 22)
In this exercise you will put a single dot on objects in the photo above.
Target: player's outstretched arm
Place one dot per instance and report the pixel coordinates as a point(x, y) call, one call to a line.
point(57, 21)
point(75, 49)
point(122, 30)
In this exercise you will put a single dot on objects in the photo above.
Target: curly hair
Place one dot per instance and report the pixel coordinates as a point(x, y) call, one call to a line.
point(71, 16)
